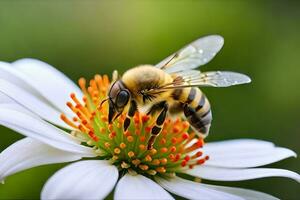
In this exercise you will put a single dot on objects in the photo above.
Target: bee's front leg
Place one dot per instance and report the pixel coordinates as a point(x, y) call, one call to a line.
point(130, 114)
point(163, 107)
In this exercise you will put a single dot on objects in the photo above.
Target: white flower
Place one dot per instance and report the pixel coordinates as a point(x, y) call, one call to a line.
point(32, 97)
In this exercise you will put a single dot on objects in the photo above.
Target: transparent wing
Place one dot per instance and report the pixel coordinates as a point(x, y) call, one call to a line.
point(215, 79)
point(187, 73)
point(193, 79)
point(193, 55)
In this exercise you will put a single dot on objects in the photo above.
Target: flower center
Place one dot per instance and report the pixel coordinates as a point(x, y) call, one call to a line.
point(174, 150)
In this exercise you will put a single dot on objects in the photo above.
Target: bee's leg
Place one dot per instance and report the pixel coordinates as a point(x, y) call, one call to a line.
point(163, 107)
point(130, 114)
point(156, 108)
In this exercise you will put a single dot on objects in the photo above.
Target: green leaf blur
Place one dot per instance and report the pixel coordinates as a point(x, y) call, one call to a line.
point(82, 38)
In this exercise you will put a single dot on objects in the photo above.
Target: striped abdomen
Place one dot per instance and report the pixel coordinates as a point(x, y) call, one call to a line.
point(196, 108)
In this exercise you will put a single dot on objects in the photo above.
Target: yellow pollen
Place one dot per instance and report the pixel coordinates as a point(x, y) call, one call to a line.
point(172, 156)
point(125, 165)
point(163, 141)
point(155, 162)
point(102, 130)
point(130, 154)
point(152, 172)
point(142, 138)
point(161, 169)
point(144, 167)
point(136, 162)
point(130, 138)
point(153, 151)
point(164, 150)
point(115, 157)
point(163, 161)
point(112, 135)
point(117, 151)
point(122, 145)
point(107, 144)
point(142, 147)
point(104, 118)
point(119, 125)
point(173, 149)
point(127, 133)
point(110, 127)
point(75, 119)
point(174, 140)
point(148, 158)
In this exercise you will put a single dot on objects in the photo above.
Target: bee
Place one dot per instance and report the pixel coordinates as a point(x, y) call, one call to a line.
point(172, 86)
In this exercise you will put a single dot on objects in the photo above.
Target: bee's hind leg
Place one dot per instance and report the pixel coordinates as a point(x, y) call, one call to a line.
point(156, 129)
point(130, 114)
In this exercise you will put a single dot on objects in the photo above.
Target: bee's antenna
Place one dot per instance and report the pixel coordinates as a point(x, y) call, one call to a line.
point(103, 101)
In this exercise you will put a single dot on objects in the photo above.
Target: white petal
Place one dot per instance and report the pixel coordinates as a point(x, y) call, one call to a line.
point(8, 73)
point(19, 80)
point(227, 174)
point(32, 103)
point(248, 158)
point(192, 190)
point(48, 81)
point(229, 146)
point(42, 131)
point(244, 193)
point(19, 108)
point(28, 153)
point(139, 187)
point(90, 179)
point(5, 99)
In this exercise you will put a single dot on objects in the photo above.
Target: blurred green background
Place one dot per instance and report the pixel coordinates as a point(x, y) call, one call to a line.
point(82, 38)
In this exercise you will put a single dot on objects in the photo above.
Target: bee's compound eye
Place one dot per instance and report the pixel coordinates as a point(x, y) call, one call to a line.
point(122, 98)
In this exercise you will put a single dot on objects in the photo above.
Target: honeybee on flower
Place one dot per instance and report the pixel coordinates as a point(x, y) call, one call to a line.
point(172, 85)
point(64, 123)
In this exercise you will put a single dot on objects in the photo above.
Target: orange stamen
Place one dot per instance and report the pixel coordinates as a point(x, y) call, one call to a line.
point(67, 121)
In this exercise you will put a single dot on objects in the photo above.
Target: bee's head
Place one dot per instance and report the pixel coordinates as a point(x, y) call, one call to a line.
point(118, 98)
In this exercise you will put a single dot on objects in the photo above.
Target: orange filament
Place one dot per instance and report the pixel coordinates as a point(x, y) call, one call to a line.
point(67, 121)
point(175, 148)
